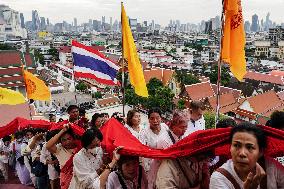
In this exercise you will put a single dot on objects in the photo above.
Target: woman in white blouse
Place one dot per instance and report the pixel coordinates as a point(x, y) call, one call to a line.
point(88, 161)
point(133, 121)
point(248, 166)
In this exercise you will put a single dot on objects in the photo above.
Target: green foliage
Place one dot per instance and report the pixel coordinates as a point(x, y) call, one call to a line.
point(39, 57)
point(185, 78)
point(173, 50)
point(181, 104)
point(6, 47)
point(97, 95)
point(55, 54)
point(81, 86)
point(209, 118)
point(153, 85)
point(119, 77)
point(195, 46)
point(159, 96)
point(225, 76)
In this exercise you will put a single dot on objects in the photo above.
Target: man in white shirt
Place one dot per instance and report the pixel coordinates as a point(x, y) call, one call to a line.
point(196, 121)
point(176, 130)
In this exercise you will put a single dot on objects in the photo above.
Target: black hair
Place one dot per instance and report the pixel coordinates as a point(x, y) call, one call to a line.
point(50, 134)
point(154, 110)
point(19, 134)
point(82, 111)
point(253, 129)
point(72, 107)
point(70, 132)
point(130, 115)
point(277, 120)
point(94, 119)
point(29, 130)
point(7, 138)
point(124, 159)
point(89, 135)
point(103, 114)
point(60, 120)
point(228, 122)
point(51, 115)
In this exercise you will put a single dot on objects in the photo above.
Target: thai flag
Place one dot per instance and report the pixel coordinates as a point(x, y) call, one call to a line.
point(90, 63)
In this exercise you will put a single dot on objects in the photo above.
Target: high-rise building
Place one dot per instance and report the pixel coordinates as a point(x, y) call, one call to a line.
point(75, 23)
point(10, 23)
point(110, 23)
point(247, 26)
point(42, 23)
point(22, 19)
point(47, 22)
point(90, 24)
point(255, 23)
point(35, 20)
point(103, 23)
point(96, 25)
point(133, 24)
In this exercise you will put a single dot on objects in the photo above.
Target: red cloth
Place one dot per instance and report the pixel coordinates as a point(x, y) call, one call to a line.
point(216, 140)
point(115, 134)
point(66, 172)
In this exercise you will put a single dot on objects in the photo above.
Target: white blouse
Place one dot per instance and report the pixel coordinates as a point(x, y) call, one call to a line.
point(85, 170)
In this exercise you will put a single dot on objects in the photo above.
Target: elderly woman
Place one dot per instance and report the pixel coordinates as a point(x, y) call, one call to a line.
point(247, 168)
point(130, 175)
point(88, 161)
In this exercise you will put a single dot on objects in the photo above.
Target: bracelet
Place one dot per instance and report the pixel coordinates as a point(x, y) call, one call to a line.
point(108, 167)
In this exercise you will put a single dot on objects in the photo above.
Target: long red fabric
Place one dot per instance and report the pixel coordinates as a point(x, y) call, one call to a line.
point(115, 134)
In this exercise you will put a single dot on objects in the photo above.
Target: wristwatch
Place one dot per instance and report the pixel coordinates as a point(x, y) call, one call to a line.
point(108, 167)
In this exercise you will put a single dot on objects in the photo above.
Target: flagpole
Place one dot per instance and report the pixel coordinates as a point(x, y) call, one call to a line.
point(24, 60)
point(217, 117)
point(122, 75)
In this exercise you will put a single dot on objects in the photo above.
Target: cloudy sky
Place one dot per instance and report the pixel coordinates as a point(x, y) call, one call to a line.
point(161, 11)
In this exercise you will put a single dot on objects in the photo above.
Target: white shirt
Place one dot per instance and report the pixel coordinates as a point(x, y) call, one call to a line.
point(114, 183)
point(193, 126)
point(152, 138)
point(44, 156)
point(164, 141)
point(63, 155)
point(139, 135)
point(85, 170)
point(274, 172)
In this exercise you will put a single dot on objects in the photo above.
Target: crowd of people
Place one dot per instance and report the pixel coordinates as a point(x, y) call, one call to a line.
point(43, 158)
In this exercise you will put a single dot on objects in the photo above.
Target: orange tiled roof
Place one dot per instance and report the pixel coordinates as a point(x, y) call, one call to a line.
point(225, 100)
point(262, 103)
point(163, 75)
point(107, 101)
point(277, 73)
point(268, 78)
point(235, 92)
point(199, 91)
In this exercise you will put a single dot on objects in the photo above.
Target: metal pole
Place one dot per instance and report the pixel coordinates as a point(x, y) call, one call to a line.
point(220, 64)
point(122, 80)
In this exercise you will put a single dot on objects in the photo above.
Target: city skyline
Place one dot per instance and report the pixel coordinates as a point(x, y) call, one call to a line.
point(192, 12)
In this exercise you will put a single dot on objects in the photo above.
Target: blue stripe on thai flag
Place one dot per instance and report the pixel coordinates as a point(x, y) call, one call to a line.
point(89, 63)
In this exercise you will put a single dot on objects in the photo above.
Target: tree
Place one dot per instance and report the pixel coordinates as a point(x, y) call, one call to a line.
point(81, 86)
point(159, 96)
point(209, 117)
point(185, 78)
point(153, 85)
point(39, 57)
point(181, 104)
point(97, 95)
point(119, 77)
point(7, 47)
point(54, 53)
point(225, 76)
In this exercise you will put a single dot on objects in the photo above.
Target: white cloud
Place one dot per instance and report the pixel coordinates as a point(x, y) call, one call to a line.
point(159, 10)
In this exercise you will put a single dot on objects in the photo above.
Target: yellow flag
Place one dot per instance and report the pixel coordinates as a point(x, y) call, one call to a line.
point(234, 40)
point(10, 97)
point(136, 73)
point(36, 88)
